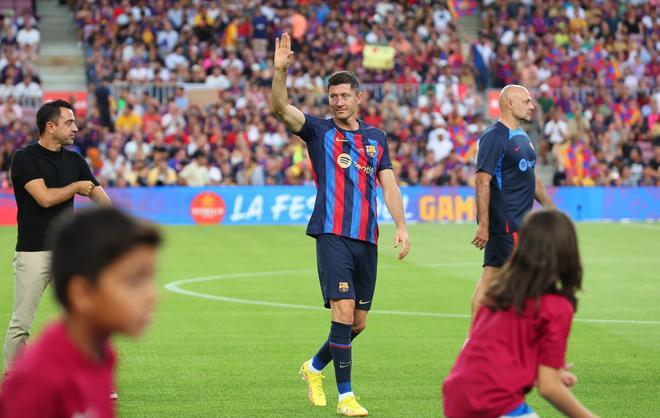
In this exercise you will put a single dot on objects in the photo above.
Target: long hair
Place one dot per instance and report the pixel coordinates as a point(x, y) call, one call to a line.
point(547, 260)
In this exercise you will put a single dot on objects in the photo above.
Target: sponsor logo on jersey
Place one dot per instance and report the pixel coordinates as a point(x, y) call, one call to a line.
point(344, 160)
point(524, 164)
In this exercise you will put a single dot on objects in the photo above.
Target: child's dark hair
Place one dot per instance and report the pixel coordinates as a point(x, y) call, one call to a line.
point(344, 77)
point(50, 112)
point(88, 242)
point(547, 260)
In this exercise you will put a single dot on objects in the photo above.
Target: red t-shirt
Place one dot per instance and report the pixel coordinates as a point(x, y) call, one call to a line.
point(500, 362)
point(53, 378)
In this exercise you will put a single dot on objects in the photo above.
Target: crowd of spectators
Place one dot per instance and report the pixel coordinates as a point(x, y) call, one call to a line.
point(19, 79)
point(592, 66)
point(433, 123)
point(19, 82)
point(595, 67)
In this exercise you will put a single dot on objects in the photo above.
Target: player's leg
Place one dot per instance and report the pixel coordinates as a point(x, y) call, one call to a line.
point(497, 252)
point(487, 276)
point(348, 404)
point(342, 303)
point(31, 276)
point(359, 322)
point(365, 284)
point(341, 336)
point(335, 268)
point(324, 355)
point(364, 279)
point(340, 343)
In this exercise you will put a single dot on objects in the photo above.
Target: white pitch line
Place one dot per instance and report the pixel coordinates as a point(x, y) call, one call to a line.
point(647, 226)
point(175, 287)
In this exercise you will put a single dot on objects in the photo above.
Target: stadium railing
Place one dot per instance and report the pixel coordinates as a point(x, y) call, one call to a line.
point(160, 91)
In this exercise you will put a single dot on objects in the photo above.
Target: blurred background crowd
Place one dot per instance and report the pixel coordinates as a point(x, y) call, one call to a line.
point(592, 66)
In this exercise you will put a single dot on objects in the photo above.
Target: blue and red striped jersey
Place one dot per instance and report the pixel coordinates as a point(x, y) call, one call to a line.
point(345, 165)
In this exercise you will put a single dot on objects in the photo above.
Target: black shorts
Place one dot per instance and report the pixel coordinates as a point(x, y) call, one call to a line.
point(347, 269)
point(499, 248)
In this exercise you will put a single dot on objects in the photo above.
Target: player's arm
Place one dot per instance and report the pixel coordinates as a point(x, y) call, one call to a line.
point(49, 196)
point(394, 203)
point(489, 156)
point(542, 195)
point(97, 194)
point(482, 190)
point(25, 173)
point(292, 117)
point(100, 197)
point(553, 389)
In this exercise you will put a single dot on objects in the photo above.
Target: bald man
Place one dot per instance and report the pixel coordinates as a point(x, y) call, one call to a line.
point(506, 184)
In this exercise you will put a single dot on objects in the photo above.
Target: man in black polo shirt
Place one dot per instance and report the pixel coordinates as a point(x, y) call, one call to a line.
point(45, 177)
point(506, 185)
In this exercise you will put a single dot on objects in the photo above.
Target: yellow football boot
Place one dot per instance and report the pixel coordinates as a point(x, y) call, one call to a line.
point(314, 385)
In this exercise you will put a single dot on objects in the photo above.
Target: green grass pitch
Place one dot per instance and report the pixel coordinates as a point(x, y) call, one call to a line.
point(206, 357)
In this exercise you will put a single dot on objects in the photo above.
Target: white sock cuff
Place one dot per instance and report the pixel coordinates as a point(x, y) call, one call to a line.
point(343, 396)
point(311, 367)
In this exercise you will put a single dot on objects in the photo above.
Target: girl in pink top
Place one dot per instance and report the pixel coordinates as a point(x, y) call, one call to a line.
point(518, 339)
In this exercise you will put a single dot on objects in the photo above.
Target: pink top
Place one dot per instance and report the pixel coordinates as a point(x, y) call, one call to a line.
point(53, 378)
point(500, 362)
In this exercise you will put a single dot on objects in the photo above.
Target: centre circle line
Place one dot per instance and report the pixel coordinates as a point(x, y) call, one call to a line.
point(176, 287)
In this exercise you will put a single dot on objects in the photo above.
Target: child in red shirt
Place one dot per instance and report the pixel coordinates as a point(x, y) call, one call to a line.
point(103, 275)
point(518, 339)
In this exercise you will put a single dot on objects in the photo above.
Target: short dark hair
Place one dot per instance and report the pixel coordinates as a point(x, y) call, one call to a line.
point(546, 261)
point(86, 243)
point(49, 112)
point(344, 77)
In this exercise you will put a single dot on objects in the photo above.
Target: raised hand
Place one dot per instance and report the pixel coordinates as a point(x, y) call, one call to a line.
point(283, 52)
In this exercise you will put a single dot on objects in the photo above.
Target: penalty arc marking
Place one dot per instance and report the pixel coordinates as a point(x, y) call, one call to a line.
point(176, 287)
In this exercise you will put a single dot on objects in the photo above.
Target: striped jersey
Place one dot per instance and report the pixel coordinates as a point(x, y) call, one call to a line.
point(345, 165)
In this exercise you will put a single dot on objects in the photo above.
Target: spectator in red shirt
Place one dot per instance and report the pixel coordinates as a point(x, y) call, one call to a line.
point(103, 276)
point(519, 336)
point(373, 118)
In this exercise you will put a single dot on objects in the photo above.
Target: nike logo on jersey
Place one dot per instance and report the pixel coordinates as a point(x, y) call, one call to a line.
point(516, 148)
point(339, 139)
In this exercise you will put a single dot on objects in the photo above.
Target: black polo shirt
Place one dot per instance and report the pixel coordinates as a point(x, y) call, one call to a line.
point(58, 169)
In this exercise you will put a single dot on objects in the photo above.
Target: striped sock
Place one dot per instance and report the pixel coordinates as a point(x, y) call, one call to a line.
point(340, 348)
point(324, 356)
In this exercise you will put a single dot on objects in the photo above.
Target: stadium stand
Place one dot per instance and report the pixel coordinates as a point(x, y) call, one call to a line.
point(170, 80)
point(20, 89)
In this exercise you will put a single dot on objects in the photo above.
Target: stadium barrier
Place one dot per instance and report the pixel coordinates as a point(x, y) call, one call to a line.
point(31, 101)
point(286, 205)
point(159, 91)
